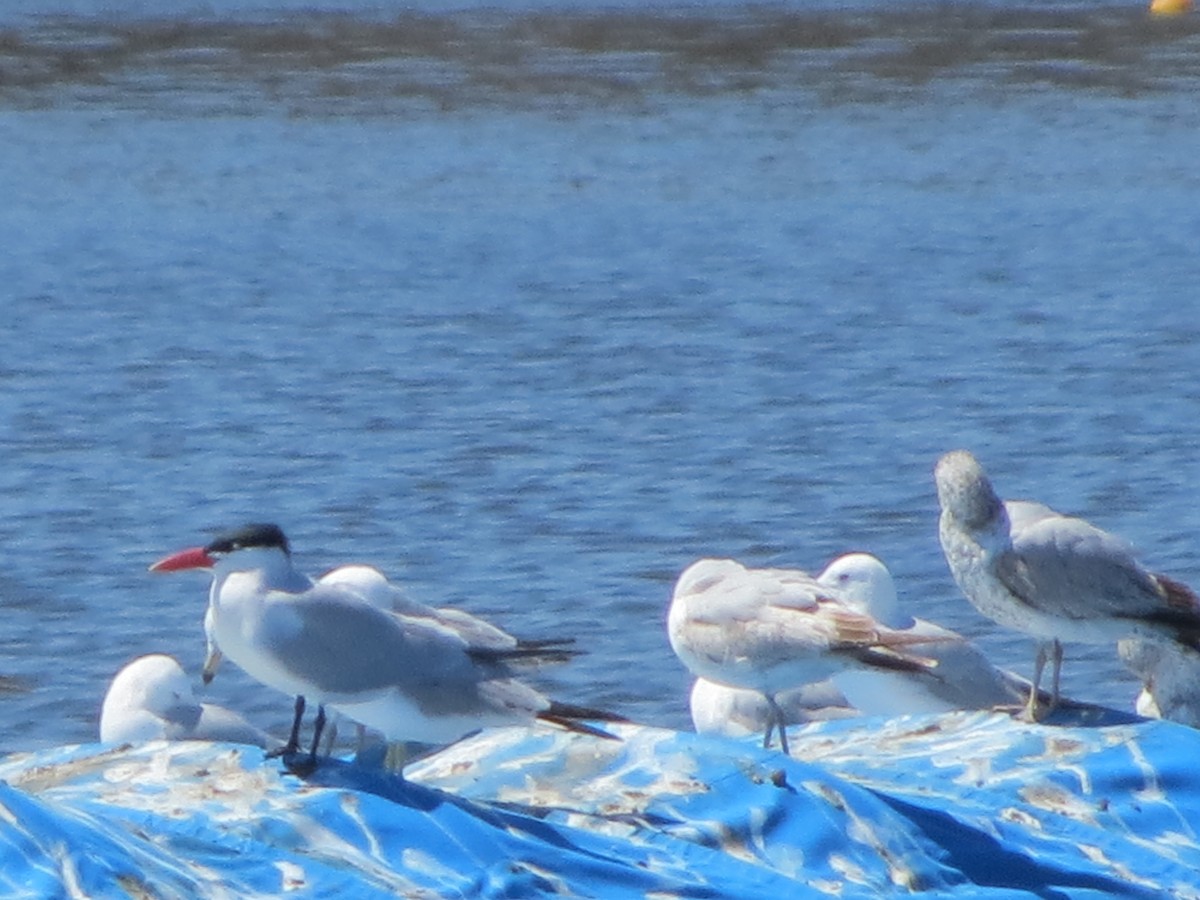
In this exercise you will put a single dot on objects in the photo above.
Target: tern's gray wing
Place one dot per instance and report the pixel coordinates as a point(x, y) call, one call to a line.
point(342, 645)
point(479, 634)
point(1066, 567)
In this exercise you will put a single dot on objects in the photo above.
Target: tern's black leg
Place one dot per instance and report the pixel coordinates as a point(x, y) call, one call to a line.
point(304, 766)
point(318, 727)
point(293, 744)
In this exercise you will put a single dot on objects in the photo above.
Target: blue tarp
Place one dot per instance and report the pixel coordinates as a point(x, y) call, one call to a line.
point(961, 805)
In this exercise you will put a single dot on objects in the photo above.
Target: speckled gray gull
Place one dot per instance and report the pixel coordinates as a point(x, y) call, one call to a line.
point(964, 677)
point(151, 699)
point(409, 678)
point(773, 630)
point(1051, 576)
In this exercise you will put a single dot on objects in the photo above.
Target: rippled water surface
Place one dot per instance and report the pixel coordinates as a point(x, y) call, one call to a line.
point(533, 306)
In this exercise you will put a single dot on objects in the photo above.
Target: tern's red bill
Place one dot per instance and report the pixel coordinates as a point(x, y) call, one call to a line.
point(192, 558)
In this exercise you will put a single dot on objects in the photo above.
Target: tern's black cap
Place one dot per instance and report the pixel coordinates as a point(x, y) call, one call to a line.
point(256, 534)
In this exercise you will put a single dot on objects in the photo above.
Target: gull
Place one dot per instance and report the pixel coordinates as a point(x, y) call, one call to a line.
point(374, 587)
point(151, 699)
point(1170, 675)
point(963, 679)
point(1055, 577)
point(772, 630)
point(408, 677)
point(735, 712)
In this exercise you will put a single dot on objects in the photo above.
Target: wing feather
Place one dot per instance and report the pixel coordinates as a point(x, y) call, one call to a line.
point(342, 644)
point(1057, 559)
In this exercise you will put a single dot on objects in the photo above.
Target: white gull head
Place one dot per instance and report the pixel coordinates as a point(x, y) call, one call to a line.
point(865, 584)
point(151, 699)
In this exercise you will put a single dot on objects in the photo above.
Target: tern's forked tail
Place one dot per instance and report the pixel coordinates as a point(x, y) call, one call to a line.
point(538, 652)
point(571, 717)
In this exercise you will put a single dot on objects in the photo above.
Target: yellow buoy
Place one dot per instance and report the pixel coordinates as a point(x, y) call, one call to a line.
point(1169, 7)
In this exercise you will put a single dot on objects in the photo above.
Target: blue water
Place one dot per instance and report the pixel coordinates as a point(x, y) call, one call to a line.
point(531, 321)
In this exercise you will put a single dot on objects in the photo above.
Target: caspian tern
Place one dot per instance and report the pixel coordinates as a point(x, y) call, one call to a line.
point(151, 699)
point(374, 587)
point(773, 630)
point(1054, 577)
point(409, 677)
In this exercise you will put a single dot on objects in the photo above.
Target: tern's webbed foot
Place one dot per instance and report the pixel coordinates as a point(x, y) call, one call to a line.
point(285, 750)
point(301, 764)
